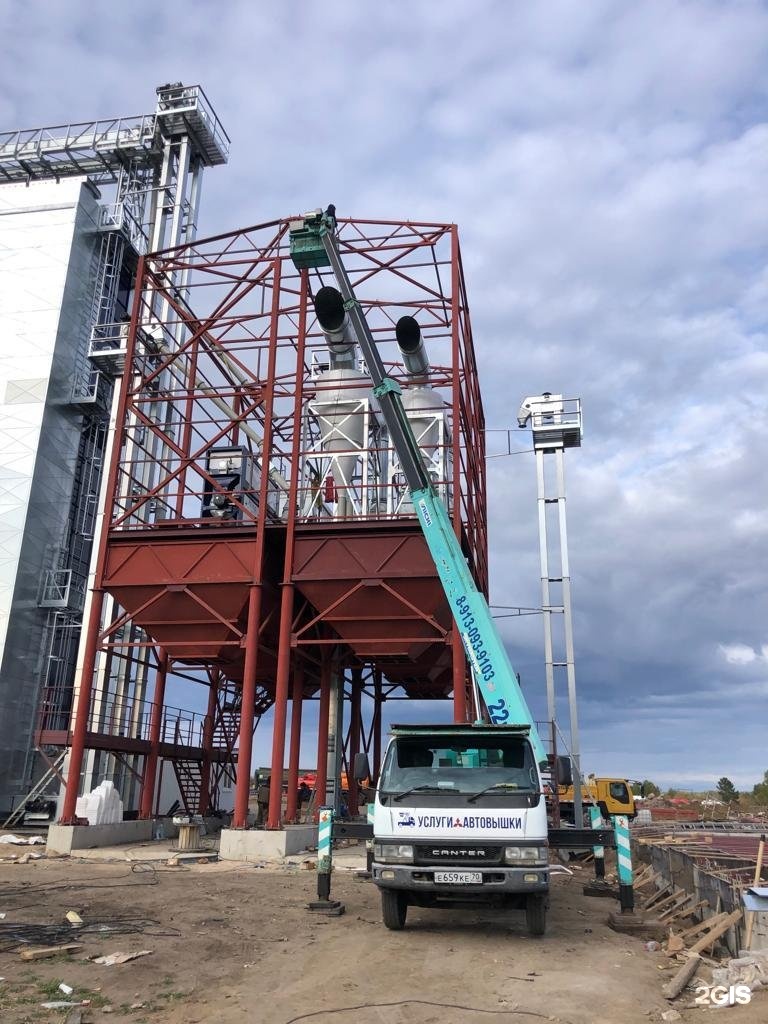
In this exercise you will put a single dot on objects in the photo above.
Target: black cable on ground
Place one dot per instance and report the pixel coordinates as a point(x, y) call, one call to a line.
point(423, 1002)
point(13, 935)
point(92, 882)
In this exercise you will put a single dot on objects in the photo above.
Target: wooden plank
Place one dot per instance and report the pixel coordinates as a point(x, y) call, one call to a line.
point(686, 910)
point(667, 901)
point(675, 986)
point(701, 926)
point(660, 894)
point(714, 933)
point(643, 876)
point(45, 952)
point(652, 879)
point(670, 912)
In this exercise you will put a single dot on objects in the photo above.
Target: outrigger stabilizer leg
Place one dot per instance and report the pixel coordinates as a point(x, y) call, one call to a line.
point(324, 904)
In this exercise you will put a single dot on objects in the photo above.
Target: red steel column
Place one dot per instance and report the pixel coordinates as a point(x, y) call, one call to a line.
point(204, 803)
point(322, 730)
point(281, 705)
point(155, 723)
point(245, 744)
point(82, 713)
point(286, 595)
point(295, 748)
point(459, 663)
point(355, 722)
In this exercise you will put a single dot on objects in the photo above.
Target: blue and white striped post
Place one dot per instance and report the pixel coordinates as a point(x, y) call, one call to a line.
point(624, 863)
point(596, 821)
point(324, 904)
point(324, 852)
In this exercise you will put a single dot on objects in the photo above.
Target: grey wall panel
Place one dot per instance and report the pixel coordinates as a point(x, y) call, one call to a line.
point(44, 331)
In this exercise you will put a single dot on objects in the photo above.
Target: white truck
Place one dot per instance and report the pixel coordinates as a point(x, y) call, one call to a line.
point(460, 818)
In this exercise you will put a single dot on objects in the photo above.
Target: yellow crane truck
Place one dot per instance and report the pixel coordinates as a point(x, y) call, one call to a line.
point(612, 796)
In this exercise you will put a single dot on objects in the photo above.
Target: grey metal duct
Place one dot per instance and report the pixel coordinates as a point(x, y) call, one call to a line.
point(411, 345)
point(335, 325)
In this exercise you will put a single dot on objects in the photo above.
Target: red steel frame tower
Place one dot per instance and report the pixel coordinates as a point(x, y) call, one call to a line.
point(263, 583)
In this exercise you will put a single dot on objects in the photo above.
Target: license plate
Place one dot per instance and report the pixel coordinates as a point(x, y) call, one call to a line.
point(459, 877)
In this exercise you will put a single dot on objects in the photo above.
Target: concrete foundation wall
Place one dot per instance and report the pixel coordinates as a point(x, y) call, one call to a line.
point(66, 838)
point(255, 846)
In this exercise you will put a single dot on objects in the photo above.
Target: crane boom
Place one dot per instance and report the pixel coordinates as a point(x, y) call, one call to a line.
point(312, 238)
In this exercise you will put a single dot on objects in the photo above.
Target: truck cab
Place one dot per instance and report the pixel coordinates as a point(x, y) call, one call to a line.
point(612, 796)
point(460, 819)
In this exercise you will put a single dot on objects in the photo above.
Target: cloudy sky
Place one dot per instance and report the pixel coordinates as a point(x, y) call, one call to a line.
point(607, 165)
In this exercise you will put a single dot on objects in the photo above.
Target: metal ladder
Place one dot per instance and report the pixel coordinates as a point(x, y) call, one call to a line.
point(36, 790)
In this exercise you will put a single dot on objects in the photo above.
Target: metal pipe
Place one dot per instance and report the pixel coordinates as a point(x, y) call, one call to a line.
point(411, 345)
point(322, 730)
point(150, 763)
point(292, 805)
point(336, 326)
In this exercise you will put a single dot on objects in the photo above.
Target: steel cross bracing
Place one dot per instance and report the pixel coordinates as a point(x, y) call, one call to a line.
point(230, 363)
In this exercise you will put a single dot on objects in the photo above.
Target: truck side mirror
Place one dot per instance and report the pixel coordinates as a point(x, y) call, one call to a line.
point(564, 770)
point(361, 770)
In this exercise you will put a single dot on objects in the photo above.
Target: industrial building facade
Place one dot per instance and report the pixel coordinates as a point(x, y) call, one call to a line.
point(52, 440)
point(79, 204)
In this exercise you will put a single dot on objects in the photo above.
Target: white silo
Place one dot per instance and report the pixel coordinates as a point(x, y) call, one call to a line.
point(341, 398)
point(339, 407)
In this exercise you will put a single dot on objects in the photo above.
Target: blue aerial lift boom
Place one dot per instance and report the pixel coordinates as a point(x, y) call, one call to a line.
point(313, 244)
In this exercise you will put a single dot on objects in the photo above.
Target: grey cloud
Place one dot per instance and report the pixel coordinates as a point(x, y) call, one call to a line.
point(606, 164)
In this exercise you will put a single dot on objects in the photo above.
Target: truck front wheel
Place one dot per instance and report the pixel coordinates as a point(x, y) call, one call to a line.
point(394, 907)
point(536, 914)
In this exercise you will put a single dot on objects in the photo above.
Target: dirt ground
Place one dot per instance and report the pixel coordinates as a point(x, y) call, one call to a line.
point(235, 943)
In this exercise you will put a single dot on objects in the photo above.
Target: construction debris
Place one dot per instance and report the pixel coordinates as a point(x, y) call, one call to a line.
point(716, 929)
point(686, 973)
point(13, 840)
point(751, 969)
point(46, 952)
point(121, 958)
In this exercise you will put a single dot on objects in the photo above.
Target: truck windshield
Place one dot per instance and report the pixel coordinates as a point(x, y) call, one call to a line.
point(459, 766)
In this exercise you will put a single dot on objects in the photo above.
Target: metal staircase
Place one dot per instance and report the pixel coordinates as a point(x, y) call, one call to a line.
point(189, 778)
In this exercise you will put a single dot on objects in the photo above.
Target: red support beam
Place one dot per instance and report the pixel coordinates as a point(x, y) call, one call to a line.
point(82, 714)
point(287, 593)
point(294, 753)
point(281, 706)
point(355, 725)
point(245, 747)
point(155, 724)
point(459, 663)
